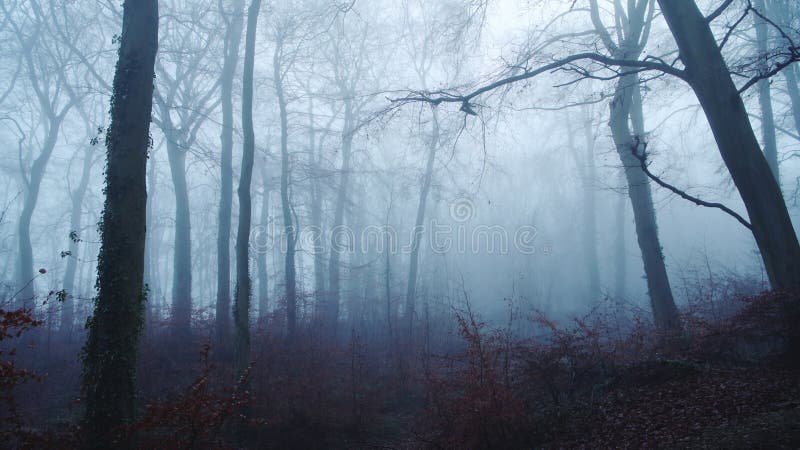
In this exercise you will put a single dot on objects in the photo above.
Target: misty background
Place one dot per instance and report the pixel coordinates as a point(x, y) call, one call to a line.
point(539, 154)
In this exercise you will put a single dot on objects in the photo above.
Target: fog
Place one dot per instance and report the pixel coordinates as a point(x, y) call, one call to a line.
point(431, 157)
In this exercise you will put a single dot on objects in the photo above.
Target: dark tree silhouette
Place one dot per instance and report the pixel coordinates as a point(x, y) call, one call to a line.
point(241, 309)
point(114, 329)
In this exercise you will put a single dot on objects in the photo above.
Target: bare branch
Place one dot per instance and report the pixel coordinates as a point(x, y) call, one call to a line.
point(794, 56)
point(642, 157)
point(733, 27)
point(718, 12)
point(438, 97)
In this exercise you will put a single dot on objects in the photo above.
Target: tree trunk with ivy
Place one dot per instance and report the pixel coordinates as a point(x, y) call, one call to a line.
point(109, 355)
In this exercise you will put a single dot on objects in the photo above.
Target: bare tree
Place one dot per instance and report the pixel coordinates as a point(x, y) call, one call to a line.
point(185, 99)
point(348, 60)
point(281, 64)
point(46, 68)
point(708, 75)
point(627, 105)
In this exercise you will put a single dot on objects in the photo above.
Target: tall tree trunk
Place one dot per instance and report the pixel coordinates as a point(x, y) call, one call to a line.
point(627, 103)
point(711, 81)
point(782, 13)
point(416, 237)
point(233, 36)
point(590, 210)
point(263, 276)
point(150, 253)
point(316, 216)
point(68, 306)
point(765, 95)
point(110, 349)
point(241, 309)
point(334, 269)
point(182, 262)
point(794, 93)
point(620, 251)
point(290, 273)
point(387, 279)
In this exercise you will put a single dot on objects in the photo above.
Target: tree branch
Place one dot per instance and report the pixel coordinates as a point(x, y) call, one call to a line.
point(642, 157)
point(465, 100)
point(794, 56)
point(717, 12)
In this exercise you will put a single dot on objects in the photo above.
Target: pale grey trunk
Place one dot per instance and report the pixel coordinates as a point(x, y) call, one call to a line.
point(416, 237)
point(68, 306)
point(794, 93)
point(261, 258)
point(711, 81)
point(387, 278)
point(316, 216)
point(354, 273)
point(182, 258)
point(149, 254)
point(765, 95)
point(590, 211)
point(334, 270)
point(620, 251)
point(233, 36)
point(290, 273)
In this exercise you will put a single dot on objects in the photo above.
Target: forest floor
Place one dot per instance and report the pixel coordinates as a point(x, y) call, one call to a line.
point(679, 404)
point(728, 382)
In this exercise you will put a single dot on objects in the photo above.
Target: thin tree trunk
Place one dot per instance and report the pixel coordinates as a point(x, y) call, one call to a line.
point(620, 251)
point(316, 216)
point(233, 37)
point(411, 288)
point(794, 93)
point(241, 309)
point(182, 262)
point(150, 255)
point(263, 276)
point(711, 81)
point(590, 210)
point(289, 266)
point(765, 95)
point(153, 251)
point(334, 269)
point(110, 350)
point(387, 278)
point(68, 306)
point(782, 13)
